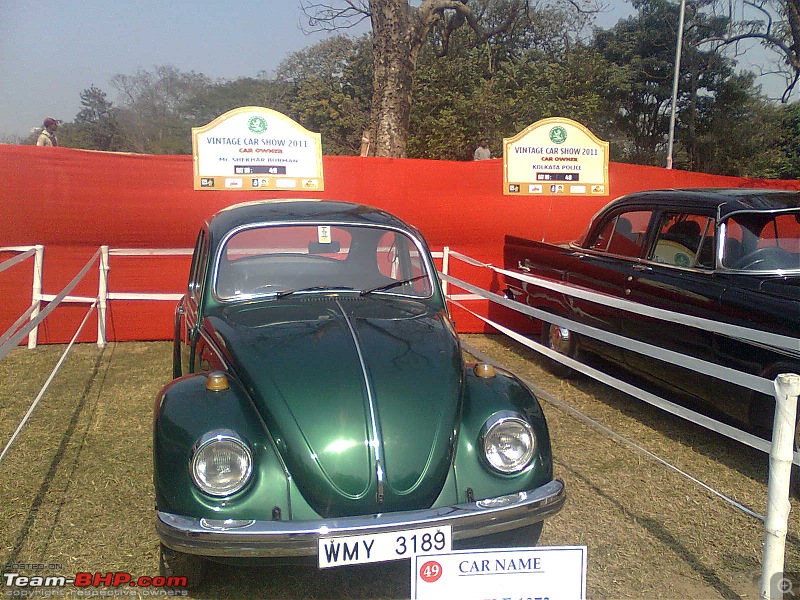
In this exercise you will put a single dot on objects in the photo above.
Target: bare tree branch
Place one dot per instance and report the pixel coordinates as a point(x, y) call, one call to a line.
point(323, 16)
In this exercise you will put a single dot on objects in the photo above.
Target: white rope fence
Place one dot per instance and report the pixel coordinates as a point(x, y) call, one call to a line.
point(46, 385)
point(13, 340)
point(15, 334)
point(785, 388)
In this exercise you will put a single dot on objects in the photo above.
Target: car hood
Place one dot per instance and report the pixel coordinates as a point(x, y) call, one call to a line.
point(362, 395)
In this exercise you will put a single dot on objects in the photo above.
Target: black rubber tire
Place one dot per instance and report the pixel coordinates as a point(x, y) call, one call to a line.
point(564, 342)
point(172, 563)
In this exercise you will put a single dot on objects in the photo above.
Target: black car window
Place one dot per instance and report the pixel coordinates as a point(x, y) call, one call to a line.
point(623, 234)
point(684, 240)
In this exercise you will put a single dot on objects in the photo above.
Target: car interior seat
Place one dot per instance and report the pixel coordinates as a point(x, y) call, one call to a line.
point(686, 233)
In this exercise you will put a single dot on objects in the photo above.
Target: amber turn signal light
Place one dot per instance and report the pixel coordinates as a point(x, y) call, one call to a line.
point(217, 382)
point(485, 370)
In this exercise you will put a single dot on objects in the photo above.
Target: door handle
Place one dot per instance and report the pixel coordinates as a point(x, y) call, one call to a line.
point(642, 268)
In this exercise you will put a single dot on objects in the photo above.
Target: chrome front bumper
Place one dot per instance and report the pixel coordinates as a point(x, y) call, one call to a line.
point(230, 538)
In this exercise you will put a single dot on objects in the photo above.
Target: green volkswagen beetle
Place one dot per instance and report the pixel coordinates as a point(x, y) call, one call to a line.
point(321, 406)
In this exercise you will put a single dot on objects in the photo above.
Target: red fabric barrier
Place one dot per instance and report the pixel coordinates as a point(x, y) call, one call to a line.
point(73, 201)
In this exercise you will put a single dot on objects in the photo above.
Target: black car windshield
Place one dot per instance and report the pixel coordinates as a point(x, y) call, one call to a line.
point(761, 242)
point(281, 260)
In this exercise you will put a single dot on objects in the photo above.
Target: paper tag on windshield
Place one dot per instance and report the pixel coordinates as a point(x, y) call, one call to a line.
point(324, 234)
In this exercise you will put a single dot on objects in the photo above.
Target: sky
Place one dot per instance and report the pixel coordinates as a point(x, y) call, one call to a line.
point(52, 50)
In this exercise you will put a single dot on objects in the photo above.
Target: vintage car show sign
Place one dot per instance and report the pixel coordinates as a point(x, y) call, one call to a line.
point(544, 572)
point(555, 156)
point(254, 148)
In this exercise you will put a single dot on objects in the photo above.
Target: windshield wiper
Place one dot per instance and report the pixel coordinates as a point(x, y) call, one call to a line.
point(394, 284)
point(313, 288)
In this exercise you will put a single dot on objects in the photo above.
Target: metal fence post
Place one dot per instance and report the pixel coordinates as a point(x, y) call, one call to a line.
point(36, 296)
point(102, 297)
point(445, 266)
point(776, 523)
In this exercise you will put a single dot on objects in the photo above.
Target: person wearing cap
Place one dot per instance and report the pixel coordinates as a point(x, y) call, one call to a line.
point(482, 152)
point(48, 135)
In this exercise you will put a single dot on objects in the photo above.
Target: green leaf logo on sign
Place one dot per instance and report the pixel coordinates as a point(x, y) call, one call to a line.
point(257, 124)
point(558, 135)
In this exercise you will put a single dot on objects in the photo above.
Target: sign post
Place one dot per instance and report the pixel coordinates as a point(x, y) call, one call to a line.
point(556, 157)
point(254, 148)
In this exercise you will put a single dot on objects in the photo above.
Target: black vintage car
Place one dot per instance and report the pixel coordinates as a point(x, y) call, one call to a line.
point(728, 255)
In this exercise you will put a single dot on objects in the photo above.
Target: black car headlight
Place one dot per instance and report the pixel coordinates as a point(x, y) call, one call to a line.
point(508, 442)
point(222, 463)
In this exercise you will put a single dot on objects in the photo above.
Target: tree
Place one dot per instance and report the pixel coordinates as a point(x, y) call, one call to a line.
point(95, 126)
point(328, 90)
point(642, 50)
point(535, 69)
point(156, 118)
point(399, 32)
point(738, 133)
point(221, 96)
point(773, 24)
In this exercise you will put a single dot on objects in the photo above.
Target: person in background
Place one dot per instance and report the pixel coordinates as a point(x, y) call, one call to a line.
point(48, 135)
point(482, 152)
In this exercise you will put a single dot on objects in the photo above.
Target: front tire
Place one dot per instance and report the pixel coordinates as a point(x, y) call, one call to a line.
point(563, 341)
point(172, 563)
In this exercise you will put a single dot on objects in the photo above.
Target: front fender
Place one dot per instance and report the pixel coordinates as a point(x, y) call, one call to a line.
point(484, 397)
point(185, 411)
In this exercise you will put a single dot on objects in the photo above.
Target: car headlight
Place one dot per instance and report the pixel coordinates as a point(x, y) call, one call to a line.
point(508, 442)
point(222, 463)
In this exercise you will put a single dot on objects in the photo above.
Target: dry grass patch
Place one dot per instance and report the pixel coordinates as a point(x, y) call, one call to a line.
point(77, 486)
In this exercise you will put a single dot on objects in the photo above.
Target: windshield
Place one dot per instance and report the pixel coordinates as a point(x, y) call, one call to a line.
point(293, 259)
point(757, 241)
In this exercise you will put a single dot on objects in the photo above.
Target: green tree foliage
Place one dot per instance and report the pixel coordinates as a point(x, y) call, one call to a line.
point(786, 164)
point(221, 96)
point(327, 89)
point(736, 133)
point(499, 86)
point(156, 120)
point(95, 126)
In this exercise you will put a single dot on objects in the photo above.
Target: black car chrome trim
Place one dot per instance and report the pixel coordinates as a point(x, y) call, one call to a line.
point(221, 537)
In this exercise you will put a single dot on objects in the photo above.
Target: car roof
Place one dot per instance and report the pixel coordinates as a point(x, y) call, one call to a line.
point(724, 201)
point(278, 211)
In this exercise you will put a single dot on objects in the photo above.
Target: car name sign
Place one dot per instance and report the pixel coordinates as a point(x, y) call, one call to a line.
point(547, 572)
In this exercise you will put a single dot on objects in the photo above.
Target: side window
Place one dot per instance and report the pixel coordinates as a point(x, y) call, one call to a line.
point(685, 240)
point(623, 234)
point(198, 269)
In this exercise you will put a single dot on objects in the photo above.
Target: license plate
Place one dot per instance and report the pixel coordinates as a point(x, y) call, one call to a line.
point(381, 547)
